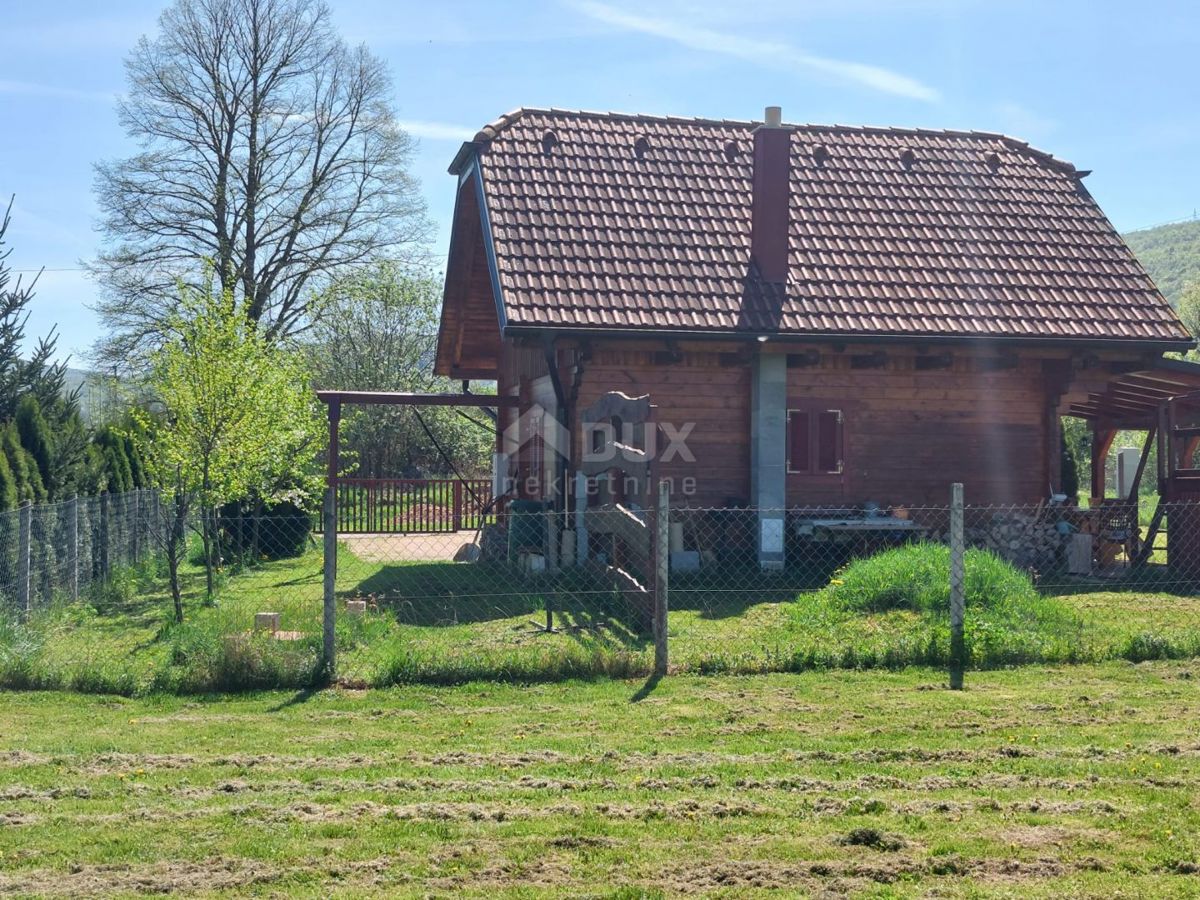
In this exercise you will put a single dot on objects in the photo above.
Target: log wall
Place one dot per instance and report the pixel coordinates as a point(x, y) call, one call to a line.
point(908, 433)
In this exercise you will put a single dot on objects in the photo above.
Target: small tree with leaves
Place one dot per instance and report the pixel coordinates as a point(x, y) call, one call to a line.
point(235, 417)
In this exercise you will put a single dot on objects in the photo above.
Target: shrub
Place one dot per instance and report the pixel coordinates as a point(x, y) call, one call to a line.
point(280, 531)
point(916, 577)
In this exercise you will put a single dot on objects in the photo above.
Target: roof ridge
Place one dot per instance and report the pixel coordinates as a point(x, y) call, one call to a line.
point(500, 124)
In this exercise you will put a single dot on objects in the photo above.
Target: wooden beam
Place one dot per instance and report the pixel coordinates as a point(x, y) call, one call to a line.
point(1102, 440)
point(335, 419)
point(1137, 477)
point(396, 398)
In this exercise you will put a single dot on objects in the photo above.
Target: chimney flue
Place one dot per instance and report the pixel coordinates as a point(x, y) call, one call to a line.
point(771, 199)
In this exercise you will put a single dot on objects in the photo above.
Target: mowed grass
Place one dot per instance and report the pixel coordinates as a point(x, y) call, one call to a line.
point(446, 623)
point(1075, 781)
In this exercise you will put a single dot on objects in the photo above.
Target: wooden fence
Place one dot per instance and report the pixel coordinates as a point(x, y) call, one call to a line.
point(411, 505)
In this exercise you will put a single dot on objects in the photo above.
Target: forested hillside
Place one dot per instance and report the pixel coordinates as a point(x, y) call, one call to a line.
point(1171, 254)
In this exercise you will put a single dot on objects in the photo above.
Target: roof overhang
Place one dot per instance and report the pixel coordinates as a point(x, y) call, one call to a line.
point(848, 337)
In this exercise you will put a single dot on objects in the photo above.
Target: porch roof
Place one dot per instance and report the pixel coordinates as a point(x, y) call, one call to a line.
point(1131, 400)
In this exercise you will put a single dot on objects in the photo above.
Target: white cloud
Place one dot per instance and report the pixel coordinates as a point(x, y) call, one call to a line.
point(1023, 122)
point(763, 52)
point(437, 131)
point(34, 89)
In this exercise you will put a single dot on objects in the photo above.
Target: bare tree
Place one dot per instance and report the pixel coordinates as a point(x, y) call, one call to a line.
point(268, 147)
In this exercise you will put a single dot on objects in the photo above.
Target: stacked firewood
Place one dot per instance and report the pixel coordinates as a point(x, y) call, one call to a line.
point(1030, 542)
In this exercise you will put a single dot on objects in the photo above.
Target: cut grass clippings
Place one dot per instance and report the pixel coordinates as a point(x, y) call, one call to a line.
point(1077, 781)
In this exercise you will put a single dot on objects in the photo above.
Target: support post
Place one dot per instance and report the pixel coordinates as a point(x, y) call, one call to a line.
point(1102, 440)
point(957, 601)
point(768, 455)
point(104, 532)
point(662, 574)
point(329, 618)
point(329, 534)
point(136, 526)
point(551, 540)
point(581, 531)
point(73, 547)
point(24, 535)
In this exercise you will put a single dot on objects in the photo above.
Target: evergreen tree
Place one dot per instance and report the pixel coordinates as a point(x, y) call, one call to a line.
point(137, 472)
point(18, 461)
point(1070, 470)
point(34, 434)
point(116, 461)
point(8, 485)
point(20, 374)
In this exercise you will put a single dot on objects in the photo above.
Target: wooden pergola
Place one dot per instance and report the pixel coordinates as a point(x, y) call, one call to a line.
point(1141, 400)
point(334, 400)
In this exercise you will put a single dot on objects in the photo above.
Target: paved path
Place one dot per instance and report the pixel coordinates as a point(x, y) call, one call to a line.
point(406, 547)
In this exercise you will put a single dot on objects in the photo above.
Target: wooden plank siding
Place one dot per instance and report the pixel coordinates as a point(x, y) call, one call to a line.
point(907, 435)
point(696, 390)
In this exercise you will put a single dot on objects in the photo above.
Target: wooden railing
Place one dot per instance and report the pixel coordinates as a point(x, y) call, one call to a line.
point(411, 505)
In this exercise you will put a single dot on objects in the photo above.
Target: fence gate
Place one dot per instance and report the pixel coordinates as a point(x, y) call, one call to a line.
point(411, 505)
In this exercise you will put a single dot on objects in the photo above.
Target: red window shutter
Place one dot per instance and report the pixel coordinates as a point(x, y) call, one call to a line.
point(799, 447)
point(829, 440)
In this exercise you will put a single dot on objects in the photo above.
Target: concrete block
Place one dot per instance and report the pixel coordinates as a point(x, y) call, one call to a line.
point(266, 621)
point(356, 607)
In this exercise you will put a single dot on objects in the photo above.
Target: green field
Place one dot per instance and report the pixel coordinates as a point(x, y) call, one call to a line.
point(1073, 781)
point(443, 623)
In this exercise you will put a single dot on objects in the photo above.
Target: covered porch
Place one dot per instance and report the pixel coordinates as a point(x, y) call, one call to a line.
point(1162, 401)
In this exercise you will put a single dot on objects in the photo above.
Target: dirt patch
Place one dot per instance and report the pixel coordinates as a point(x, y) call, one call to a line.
point(160, 878)
point(873, 838)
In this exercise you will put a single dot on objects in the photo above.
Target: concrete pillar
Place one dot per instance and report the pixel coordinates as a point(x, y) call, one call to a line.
point(768, 454)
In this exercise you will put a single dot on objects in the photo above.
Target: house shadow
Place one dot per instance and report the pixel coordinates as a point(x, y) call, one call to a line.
point(440, 594)
point(729, 593)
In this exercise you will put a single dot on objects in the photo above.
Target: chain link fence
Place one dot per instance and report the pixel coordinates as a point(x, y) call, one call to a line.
point(56, 551)
point(531, 594)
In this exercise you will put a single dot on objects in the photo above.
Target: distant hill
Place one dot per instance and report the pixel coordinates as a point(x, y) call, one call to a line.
point(1171, 254)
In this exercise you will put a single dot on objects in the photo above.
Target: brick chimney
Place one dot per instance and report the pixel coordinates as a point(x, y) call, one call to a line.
point(769, 216)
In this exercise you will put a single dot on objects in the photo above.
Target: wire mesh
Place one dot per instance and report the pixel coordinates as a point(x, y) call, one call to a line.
point(531, 594)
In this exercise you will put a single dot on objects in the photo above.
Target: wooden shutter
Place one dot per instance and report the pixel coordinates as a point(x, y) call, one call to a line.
point(799, 454)
point(829, 441)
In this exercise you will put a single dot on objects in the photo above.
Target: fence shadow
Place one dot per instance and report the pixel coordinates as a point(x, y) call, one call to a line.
point(445, 594)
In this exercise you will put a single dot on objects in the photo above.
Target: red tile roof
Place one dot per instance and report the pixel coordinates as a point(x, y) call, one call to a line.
point(981, 236)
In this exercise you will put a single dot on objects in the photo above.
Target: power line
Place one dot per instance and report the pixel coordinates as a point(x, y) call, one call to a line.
point(37, 271)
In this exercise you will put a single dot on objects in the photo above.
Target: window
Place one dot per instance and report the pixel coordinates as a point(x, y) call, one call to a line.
point(814, 437)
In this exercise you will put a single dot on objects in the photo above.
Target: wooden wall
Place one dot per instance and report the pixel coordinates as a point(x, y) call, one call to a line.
point(700, 390)
point(908, 434)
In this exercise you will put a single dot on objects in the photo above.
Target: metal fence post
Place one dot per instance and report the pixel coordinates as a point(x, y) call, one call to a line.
point(662, 565)
point(957, 601)
point(329, 620)
point(24, 534)
point(73, 547)
point(136, 526)
point(104, 526)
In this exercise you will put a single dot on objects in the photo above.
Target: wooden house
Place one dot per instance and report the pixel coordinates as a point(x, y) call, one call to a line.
point(818, 315)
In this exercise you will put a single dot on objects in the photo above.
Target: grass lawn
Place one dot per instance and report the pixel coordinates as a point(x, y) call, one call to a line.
point(1073, 781)
point(436, 622)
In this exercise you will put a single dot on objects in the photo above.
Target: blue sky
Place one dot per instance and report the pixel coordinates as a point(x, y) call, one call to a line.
point(1110, 86)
